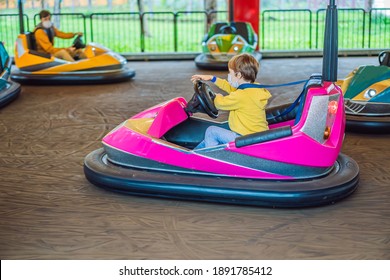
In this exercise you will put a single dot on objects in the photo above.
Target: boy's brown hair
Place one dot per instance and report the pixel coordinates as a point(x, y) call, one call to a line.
point(245, 64)
point(44, 13)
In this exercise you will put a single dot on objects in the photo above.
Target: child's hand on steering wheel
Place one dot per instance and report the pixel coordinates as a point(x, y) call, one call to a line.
point(196, 78)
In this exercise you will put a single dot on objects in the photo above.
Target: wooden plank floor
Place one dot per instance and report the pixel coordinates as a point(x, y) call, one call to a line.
point(49, 210)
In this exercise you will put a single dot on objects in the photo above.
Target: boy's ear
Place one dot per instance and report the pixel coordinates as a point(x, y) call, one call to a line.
point(239, 75)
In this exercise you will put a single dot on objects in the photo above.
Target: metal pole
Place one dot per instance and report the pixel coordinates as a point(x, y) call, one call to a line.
point(330, 59)
point(21, 22)
point(231, 10)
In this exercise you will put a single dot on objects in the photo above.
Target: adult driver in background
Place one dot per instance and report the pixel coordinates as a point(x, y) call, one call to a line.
point(44, 36)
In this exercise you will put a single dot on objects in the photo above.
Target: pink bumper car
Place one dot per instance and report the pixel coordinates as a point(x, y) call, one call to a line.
point(297, 163)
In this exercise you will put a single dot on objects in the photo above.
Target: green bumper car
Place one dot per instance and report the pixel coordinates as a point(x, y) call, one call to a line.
point(367, 97)
point(224, 41)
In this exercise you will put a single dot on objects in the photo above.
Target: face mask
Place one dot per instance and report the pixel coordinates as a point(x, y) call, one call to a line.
point(47, 24)
point(232, 83)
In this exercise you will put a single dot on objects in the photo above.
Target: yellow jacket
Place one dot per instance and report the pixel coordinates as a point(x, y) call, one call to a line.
point(246, 106)
point(43, 41)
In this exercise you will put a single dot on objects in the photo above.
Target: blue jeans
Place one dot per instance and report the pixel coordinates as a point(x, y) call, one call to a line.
point(216, 136)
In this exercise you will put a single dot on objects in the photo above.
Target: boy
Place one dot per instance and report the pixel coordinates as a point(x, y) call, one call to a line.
point(44, 36)
point(245, 101)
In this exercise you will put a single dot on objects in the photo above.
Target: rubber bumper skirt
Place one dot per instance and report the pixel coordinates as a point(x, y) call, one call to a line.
point(368, 124)
point(338, 184)
point(203, 61)
point(10, 94)
point(73, 78)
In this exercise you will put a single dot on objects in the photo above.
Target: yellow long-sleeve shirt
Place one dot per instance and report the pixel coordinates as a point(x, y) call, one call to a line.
point(246, 106)
point(43, 42)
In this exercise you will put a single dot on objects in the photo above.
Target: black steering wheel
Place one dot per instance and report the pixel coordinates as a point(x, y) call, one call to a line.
point(203, 100)
point(384, 58)
point(228, 29)
point(78, 42)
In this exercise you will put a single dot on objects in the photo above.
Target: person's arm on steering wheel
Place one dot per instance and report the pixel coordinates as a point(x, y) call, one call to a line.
point(211, 78)
point(63, 35)
point(196, 78)
point(221, 83)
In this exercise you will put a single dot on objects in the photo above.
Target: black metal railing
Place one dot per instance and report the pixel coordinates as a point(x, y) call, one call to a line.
point(120, 31)
point(379, 28)
point(9, 29)
point(282, 31)
point(351, 25)
point(183, 31)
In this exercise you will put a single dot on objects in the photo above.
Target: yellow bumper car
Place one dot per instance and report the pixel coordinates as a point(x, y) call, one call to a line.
point(100, 66)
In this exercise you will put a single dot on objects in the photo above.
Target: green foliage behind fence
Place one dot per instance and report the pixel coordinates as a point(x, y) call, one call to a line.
point(183, 31)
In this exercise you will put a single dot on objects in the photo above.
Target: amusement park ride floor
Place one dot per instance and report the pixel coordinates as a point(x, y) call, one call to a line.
point(49, 210)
